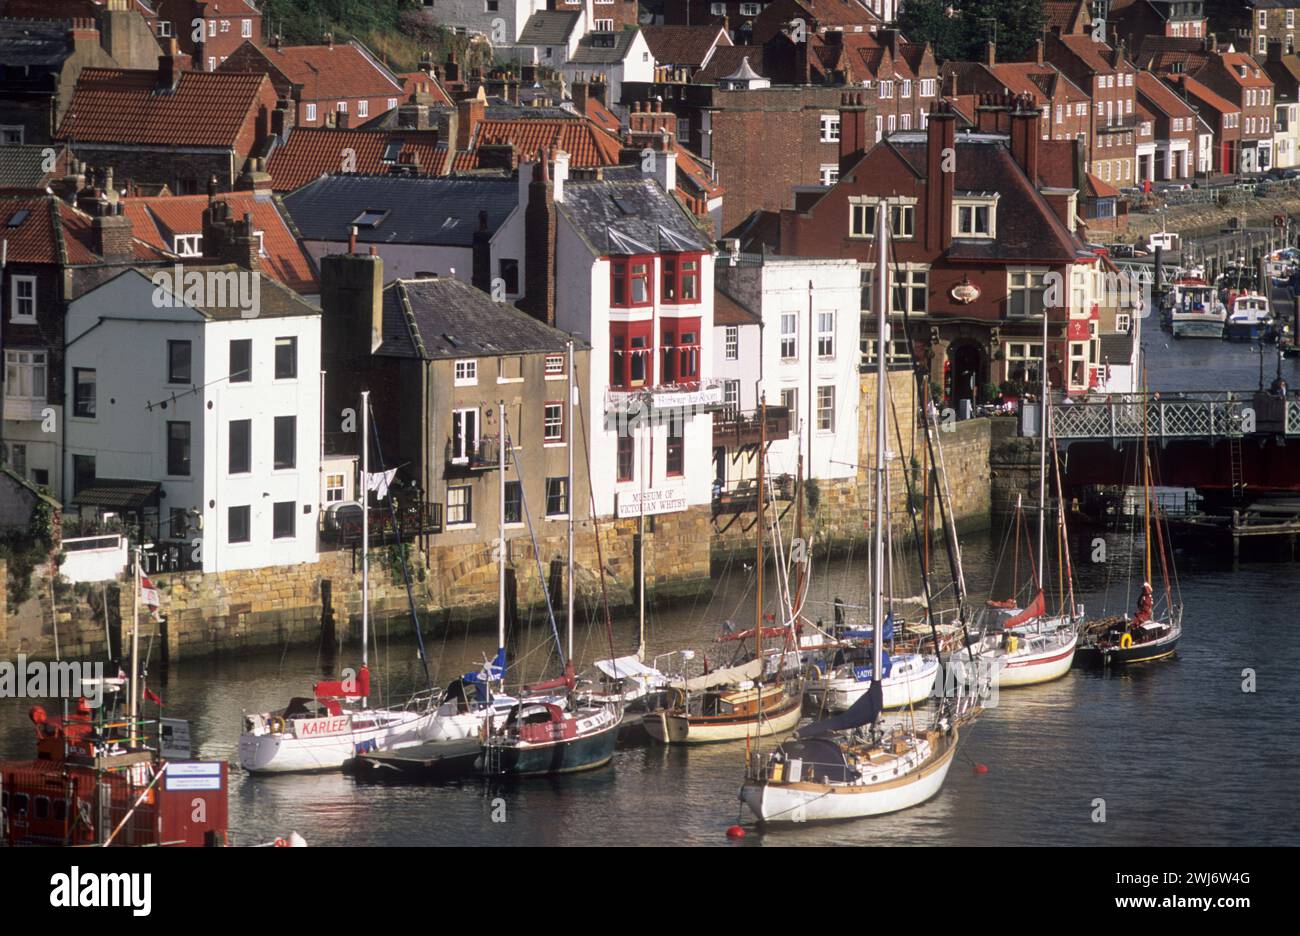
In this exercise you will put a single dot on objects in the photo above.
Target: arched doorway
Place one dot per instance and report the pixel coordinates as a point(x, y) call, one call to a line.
point(965, 372)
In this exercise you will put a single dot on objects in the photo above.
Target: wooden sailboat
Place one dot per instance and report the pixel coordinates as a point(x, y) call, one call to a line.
point(732, 703)
point(329, 729)
point(846, 766)
point(1150, 633)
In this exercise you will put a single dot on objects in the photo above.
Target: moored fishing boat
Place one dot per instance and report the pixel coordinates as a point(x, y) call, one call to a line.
point(1194, 310)
point(1249, 318)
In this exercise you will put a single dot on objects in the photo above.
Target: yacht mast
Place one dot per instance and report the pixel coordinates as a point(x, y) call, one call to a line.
point(365, 531)
point(882, 342)
point(569, 424)
point(501, 535)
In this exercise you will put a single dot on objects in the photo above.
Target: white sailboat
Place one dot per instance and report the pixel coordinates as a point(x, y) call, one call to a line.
point(327, 730)
point(847, 766)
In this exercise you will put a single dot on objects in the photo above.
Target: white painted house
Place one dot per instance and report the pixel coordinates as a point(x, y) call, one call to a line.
point(499, 21)
point(633, 276)
point(620, 56)
point(202, 422)
point(802, 355)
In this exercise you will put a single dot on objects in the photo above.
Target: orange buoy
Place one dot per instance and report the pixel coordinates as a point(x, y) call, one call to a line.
point(981, 769)
point(735, 832)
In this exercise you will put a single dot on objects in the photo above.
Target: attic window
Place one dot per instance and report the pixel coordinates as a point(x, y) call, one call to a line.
point(370, 217)
point(18, 217)
point(392, 151)
point(450, 223)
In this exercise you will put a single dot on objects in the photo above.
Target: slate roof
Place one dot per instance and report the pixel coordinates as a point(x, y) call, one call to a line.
point(118, 105)
point(1028, 228)
point(728, 311)
point(623, 217)
point(591, 51)
point(443, 318)
point(158, 220)
point(22, 166)
point(311, 152)
point(40, 45)
point(275, 299)
point(548, 28)
point(441, 211)
point(725, 61)
point(1116, 347)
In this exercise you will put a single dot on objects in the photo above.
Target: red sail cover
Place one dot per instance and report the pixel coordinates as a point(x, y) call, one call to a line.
point(356, 688)
point(1037, 608)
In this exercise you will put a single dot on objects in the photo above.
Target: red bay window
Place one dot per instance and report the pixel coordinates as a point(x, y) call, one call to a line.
point(680, 340)
point(630, 356)
point(629, 282)
point(681, 278)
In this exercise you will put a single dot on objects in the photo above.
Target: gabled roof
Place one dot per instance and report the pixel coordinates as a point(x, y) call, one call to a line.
point(623, 217)
point(422, 82)
point(311, 152)
point(1095, 57)
point(285, 258)
point(444, 318)
point(725, 61)
point(275, 300)
point(1203, 94)
point(338, 71)
point(1161, 97)
point(407, 210)
point(118, 105)
point(691, 46)
point(41, 228)
point(548, 28)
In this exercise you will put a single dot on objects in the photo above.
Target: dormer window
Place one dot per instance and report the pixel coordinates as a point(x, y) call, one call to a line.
point(975, 216)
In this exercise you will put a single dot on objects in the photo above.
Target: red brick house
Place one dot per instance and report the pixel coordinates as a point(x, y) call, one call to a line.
point(1110, 78)
point(978, 252)
point(1175, 128)
point(169, 127)
point(1223, 118)
point(333, 84)
point(226, 25)
point(1064, 106)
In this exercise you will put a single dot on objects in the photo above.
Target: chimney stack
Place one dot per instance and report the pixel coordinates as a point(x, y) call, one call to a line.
point(853, 129)
point(168, 74)
point(941, 134)
point(539, 244)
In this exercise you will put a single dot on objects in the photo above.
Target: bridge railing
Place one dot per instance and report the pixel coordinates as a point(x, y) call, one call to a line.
point(1293, 417)
point(1131, 416)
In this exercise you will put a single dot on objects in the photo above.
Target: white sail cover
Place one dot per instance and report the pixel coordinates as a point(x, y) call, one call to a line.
point(629, 667)
point(721, 677)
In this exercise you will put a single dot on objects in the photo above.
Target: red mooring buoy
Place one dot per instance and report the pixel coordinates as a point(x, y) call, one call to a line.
point(981, 769)
point(736, 832)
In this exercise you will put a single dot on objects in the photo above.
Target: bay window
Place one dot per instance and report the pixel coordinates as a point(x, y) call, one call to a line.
point(25, 375)
point(629, 282)
point(681, 278)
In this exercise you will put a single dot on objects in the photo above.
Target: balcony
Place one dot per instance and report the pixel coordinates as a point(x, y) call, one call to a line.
point(21, 409)
point(481, 454)
point(342, 529)
point(733, 429)
point(741, 496)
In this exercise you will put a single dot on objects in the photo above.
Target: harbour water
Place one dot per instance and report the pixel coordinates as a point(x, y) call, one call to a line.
point(1177, 750)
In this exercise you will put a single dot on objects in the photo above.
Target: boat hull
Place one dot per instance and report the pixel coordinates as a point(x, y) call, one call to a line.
point(1204, 328)
point(283, 752)
point(820, 802)
point(839, 694)
point(669, 727)
point(586, 752)
point(1100, 656)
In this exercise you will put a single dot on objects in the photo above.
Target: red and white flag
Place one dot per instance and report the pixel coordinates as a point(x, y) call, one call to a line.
point(148, 593)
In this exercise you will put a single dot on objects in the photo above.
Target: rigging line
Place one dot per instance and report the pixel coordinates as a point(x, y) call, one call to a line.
point(401, 551)
point(595, 521)
point(537, 555)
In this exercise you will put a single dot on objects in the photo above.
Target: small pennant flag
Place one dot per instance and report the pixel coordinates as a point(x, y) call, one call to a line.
point(149, 594)
point(152, 696)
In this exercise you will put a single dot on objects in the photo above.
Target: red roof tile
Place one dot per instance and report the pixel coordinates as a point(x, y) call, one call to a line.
point(416, 81)
point(117, 105)
point(52, 227)
point(343, 70)
point(311, 152)
point(285, 259)
point(1162, 96)
point(683, 45)
point(586, 144)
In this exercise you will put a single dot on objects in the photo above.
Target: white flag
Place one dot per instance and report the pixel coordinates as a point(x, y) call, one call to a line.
point(148, 594)
point(378, 481)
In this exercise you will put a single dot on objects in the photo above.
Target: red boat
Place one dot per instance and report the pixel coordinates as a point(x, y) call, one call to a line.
point(90, 785)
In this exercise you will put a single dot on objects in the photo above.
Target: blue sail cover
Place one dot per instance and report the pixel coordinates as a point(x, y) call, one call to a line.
point(864, 632)
point(495, 670)
point(863, 673)
point(862, 712)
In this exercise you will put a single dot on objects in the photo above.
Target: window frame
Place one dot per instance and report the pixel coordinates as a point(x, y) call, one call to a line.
point(77, 410)
point(277, 464)
point(16, 301)
point(185, 460)
point(173, 345)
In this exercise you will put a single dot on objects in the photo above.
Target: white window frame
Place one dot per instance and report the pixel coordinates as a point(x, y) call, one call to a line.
point(335, 487)
point(19, 285)
point(789, 338)
point(311, 113)
point(1034, 278)
point(246, 28)
point(553, 423)
point(830, 128)
point(731, 343)
point(825, 408)
point(23, 362)
point(363, 108)
point(971, 206)
point(466, 373)
point(829, 173)
point(467, 445)
point(187, 245)
point(826, 334)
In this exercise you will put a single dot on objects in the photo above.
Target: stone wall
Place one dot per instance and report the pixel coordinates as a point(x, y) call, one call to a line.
point(281, 606)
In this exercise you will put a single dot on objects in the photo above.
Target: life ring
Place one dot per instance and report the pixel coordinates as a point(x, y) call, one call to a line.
point(280, 843)
point(1126, 641)
point(277, 725)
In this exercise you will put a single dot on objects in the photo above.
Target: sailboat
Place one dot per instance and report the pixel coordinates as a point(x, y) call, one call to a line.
point(1028, 646)
point(732, 703)
point(329, 729)
point(1150, 633)
point(544, 733)
point(847, 766)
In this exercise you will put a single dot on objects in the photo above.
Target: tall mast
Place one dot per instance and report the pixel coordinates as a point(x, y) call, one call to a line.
point(640, 448)
point(501, 534)
point(1042, 454)
point(882, 342)
point(568, 575)
point(135, 647)
point(758, 554)
point(365, 529)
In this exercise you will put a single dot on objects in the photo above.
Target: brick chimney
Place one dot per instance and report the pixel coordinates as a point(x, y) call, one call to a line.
point(990, 53)
point(83, 34)
point(853, 129)
point(1025, 135)
point(1038, 51)
point(254, 178)
point(352, 318)
point(227, 240)
point(941, 135)
point(539, 244)
point(469, 114)
point(111, 232)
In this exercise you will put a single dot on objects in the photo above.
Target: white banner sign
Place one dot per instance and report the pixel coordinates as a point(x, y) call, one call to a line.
point(680, 399)
point(657, 501)
point(196, 776)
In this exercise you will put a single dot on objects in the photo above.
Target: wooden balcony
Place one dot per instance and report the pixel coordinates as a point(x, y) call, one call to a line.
point(734, 429)
point(414, 519)
point(483, 454)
